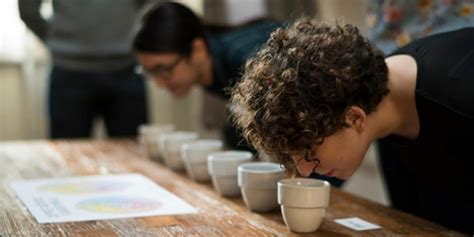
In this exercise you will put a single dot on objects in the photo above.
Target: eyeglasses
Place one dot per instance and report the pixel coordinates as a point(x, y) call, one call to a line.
point(158, 71)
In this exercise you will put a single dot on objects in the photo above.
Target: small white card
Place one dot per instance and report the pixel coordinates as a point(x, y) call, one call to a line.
point(356, 223)
point(86, 198)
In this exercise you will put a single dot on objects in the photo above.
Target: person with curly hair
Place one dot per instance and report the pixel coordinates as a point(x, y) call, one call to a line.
point(315, 96)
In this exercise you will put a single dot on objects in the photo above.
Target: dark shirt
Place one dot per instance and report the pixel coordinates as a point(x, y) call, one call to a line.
point(440, 160)
point(444, 85)
point(230, 51)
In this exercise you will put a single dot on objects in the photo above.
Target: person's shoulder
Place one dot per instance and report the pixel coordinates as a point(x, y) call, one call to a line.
point(236, 45)
point(466, 31)
point(248, 33)
point(449, 38)
point(456, 34)
point(253, 31)
point(229, 29)
point(261, 25)
point(463, 32)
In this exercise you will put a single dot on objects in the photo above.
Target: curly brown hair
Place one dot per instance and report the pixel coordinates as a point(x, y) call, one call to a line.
point(296, 89)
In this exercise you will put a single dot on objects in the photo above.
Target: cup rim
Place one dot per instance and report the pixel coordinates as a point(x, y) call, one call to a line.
point(229, 156)
point(259, 178)
point(275, 168)
point(202, 144)
point(227, 162)
point(179, 136)
point(292, 183)
point(155, 128)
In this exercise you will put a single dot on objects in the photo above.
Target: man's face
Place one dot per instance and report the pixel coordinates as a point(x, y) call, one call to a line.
point(339, 155)
point(172, 71)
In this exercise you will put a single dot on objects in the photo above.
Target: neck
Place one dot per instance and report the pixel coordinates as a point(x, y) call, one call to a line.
point(396, 113)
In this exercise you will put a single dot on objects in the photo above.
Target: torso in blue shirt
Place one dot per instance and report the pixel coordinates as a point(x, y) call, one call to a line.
point(230, 52)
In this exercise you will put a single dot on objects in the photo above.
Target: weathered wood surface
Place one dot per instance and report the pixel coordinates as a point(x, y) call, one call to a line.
point(217, 216)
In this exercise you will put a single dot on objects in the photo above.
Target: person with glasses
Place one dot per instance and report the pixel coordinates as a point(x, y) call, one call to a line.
point(178, 51)
point(316, 95)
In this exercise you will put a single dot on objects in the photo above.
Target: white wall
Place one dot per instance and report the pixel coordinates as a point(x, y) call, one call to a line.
point(22, 78)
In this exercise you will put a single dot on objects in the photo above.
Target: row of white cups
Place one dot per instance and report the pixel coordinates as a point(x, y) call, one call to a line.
point(263, 185)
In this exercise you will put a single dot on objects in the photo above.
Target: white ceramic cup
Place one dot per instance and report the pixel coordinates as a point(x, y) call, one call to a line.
point(149, 137)
point(303, 203)
point(172, 148)
point(195, 154)
point(222, 167)
point(258, 184)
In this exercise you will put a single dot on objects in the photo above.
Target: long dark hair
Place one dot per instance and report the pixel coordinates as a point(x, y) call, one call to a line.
point(169, 27)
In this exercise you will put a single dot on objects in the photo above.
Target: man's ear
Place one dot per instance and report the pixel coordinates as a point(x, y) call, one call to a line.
point(356, 117)
point(199, 48)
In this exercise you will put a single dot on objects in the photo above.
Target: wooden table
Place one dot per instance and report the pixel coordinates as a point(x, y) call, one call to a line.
point(217, 216)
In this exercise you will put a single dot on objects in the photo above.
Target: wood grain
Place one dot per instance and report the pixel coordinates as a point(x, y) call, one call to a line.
point(217, 216)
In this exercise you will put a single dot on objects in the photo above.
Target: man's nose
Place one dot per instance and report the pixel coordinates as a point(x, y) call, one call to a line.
point(305, 168)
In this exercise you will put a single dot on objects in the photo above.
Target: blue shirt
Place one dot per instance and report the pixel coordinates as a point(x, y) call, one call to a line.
point(231, 50)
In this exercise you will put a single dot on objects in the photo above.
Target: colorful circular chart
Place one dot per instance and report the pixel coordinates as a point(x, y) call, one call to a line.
point(85, 187)
point(119, 205)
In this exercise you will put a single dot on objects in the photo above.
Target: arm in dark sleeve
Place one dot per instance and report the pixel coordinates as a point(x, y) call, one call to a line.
point(30, 14)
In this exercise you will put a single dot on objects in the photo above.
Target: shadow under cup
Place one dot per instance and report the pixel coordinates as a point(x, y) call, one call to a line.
point(303, 203)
